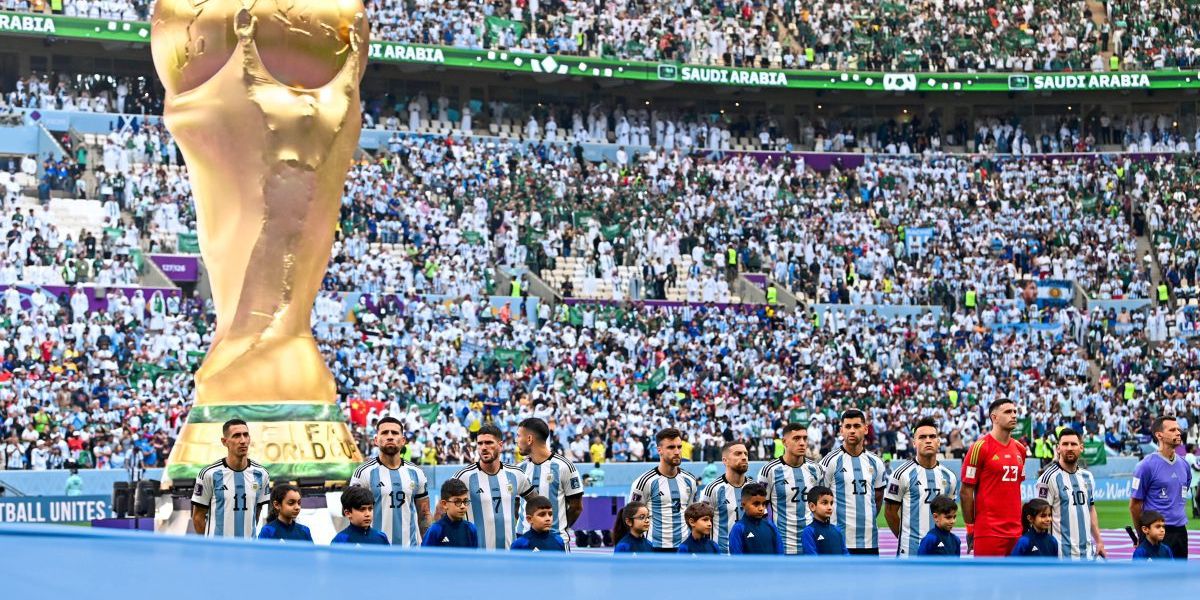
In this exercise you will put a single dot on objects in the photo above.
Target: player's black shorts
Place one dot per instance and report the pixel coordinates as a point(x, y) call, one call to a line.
point(667, 550)
point(1177, 541)
point(864, 551)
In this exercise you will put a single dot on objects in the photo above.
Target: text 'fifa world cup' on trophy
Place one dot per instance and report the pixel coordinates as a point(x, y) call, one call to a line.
point(263, 101)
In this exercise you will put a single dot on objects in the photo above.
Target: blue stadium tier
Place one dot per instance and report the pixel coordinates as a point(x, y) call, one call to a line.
point(103, 567)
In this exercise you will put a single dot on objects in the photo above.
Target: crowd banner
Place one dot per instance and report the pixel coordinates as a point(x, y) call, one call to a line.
point(178, 267)
point(57, 26)
point(1055, 292)
point(915, 239)
point(1187, 321)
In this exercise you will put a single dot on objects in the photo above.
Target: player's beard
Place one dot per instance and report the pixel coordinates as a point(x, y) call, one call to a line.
point(389, 450)
point(740, 469)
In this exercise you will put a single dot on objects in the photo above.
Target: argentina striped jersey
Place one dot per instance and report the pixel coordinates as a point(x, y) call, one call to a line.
point(1071, 497)
point(232, 497)
point(787, 493)
point(914, 487)
point(396, 493)
point(726, 500)
point(854, 480)
point(667, 498)
point(556, 479)
point(495, 503)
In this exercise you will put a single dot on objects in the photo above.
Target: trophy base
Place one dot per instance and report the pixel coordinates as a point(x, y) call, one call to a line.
point(292, 440)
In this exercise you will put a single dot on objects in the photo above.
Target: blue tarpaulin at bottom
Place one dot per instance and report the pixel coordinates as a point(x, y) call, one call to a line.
point(45, 561)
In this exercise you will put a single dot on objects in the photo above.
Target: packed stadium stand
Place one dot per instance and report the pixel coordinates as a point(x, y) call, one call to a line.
point(717, 255)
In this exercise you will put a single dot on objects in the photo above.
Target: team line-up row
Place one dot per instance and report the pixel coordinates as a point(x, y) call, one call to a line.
point(794, 505)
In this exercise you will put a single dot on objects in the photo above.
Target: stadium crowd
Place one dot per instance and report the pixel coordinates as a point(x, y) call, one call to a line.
point(606, 377)
point(963, 35)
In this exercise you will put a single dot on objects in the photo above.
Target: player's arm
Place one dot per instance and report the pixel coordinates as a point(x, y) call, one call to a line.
point(1137, 494)
point(199, 518)
point(891, 513)
point(1100, 551)
point(970, 479)
point(263, 500)
point(636, 493)
point(573, 490)
point(894, 499)
point(201, 499)
point(968, 511)
point(574, 508)
point(422, 497)
point(424, 520)
point(879, 484)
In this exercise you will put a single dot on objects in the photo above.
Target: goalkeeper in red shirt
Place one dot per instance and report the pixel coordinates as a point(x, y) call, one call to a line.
point(991, 485)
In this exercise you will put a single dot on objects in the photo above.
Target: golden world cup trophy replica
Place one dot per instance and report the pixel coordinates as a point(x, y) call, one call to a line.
point(263, 101)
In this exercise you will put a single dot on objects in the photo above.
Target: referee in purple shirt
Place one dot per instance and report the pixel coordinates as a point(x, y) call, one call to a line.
point(1160, 482)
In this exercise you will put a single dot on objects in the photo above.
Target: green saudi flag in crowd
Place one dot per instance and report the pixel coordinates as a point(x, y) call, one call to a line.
point(655, 380)
point(1094, 453)
point(429, 412)
point(1024, 428)
point(494, 26)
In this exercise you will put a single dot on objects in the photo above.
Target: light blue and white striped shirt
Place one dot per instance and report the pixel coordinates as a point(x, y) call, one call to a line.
point(726, 500)
point(667, 498)
point(1071, 497)
point(787, 493)
point(914, 487)
point(396, 493)
point(232, 497)
point(556, 479)
point(854, 480)
point(495, 503)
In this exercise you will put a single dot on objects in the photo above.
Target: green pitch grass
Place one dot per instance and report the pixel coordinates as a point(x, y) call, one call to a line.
point(1113, 514)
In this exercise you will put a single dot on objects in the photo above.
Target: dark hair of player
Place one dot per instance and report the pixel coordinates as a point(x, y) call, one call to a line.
point(854, 413)
point(491, 430)
point(696, 511)
point(278, 493)
point(1032, 509)
point(1068, 431)
point(384, 421)
point(453, 488)
point(536, 503)
point(231, 423)
point(1157, 426)
point(925, 422)
point(754, 489)
point(1149, 518)
point(356, 497)
point(537, 427)
point(815, 493)
point(625, 517)
point(729, 446)
point(942, 504)
point(669, 433)
point(790, 427)
point(997, 403)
